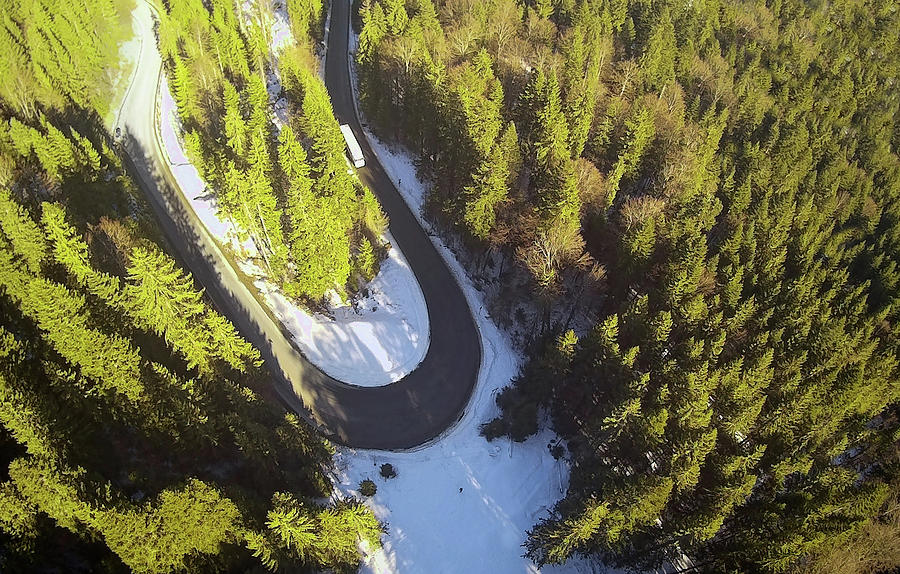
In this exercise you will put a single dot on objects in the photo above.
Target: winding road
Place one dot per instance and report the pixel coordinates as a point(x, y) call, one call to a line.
point(402, 415)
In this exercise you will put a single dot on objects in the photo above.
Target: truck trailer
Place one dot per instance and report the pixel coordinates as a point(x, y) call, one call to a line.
point(356, 155)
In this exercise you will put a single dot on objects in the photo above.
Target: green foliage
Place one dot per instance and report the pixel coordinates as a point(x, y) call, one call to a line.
point(22, 232)
point(163, 300)
point(367, 488)
point(658, 59)
point(306, 17)
point(327, 536)
point(159, 536)
point(640, 131)
point(364, 261)
point(17, 515)
point(737, 183)
point(21, 413)
point(55, 53)
point(109, 360)
point(487, 191)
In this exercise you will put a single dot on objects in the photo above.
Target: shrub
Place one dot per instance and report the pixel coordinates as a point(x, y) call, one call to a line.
point(387, 470)
point(367, 488)
point(494, 429)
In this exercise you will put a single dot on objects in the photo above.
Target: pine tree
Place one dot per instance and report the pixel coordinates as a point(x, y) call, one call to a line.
point(109, 360)
point(364, 261)
point(640, 132)
point(18, 412)
point(545, 128)
point(163, 300)
point(158, 537)
point(233, 120)
point(227, 344)
point(581, 88)
point(71, 251)
point(22, 233)
point(183, 89)
point(17, 516)
point(658, 60)
point(487, 192)
point(56, 492)
point(327, 536)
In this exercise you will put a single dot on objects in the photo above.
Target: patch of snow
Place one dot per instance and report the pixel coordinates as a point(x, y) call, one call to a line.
point(129, 55)
point(281, 29)
point(372, 341)
point(189, 180)
point(281, 38)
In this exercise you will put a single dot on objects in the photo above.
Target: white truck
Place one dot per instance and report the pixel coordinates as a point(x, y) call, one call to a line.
point(356, 155)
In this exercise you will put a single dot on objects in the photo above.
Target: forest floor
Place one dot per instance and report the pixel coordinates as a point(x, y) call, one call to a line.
point(374, 339)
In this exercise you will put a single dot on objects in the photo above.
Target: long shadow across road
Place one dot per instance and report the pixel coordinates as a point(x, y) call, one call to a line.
point(397, 416)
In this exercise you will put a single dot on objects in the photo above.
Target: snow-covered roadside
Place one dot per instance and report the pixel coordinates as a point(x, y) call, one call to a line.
point(129, 54)
point(380, 337)
point(460, 503)
point(375, 341)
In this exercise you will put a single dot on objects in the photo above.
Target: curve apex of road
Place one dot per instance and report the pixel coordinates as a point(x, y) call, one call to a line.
point(398, 416)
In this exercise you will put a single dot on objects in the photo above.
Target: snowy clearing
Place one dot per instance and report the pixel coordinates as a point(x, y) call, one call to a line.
point(373, 341)
point(461, 504)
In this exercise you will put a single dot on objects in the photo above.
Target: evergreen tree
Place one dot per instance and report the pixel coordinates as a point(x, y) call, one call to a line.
point(658, 59)
point(163, 535)
point(165, 302)
point(22, 233)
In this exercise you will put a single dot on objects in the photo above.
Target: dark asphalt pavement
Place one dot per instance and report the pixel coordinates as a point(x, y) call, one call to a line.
point(401, 415)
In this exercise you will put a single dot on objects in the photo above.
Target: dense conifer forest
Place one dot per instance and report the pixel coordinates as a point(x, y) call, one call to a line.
point(138, 429)
point(692, 209)
point(315, 226)
point(716, 187)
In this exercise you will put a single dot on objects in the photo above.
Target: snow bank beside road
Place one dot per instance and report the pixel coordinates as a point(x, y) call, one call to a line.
point(373, 341)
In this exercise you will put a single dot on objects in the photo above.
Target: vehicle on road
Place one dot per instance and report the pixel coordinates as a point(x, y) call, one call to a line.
point(356, 155)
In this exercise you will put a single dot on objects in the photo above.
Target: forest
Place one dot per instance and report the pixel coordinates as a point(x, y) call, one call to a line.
point(688, 214)
point(138, 429)
point(316, 227)
point(695, 207)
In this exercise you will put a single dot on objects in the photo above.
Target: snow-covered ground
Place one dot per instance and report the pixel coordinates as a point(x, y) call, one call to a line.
point(129, 54)
point(373, 341)
point(379, 338)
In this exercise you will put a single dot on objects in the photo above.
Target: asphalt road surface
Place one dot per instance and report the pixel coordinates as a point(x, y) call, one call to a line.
point(397, 416)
